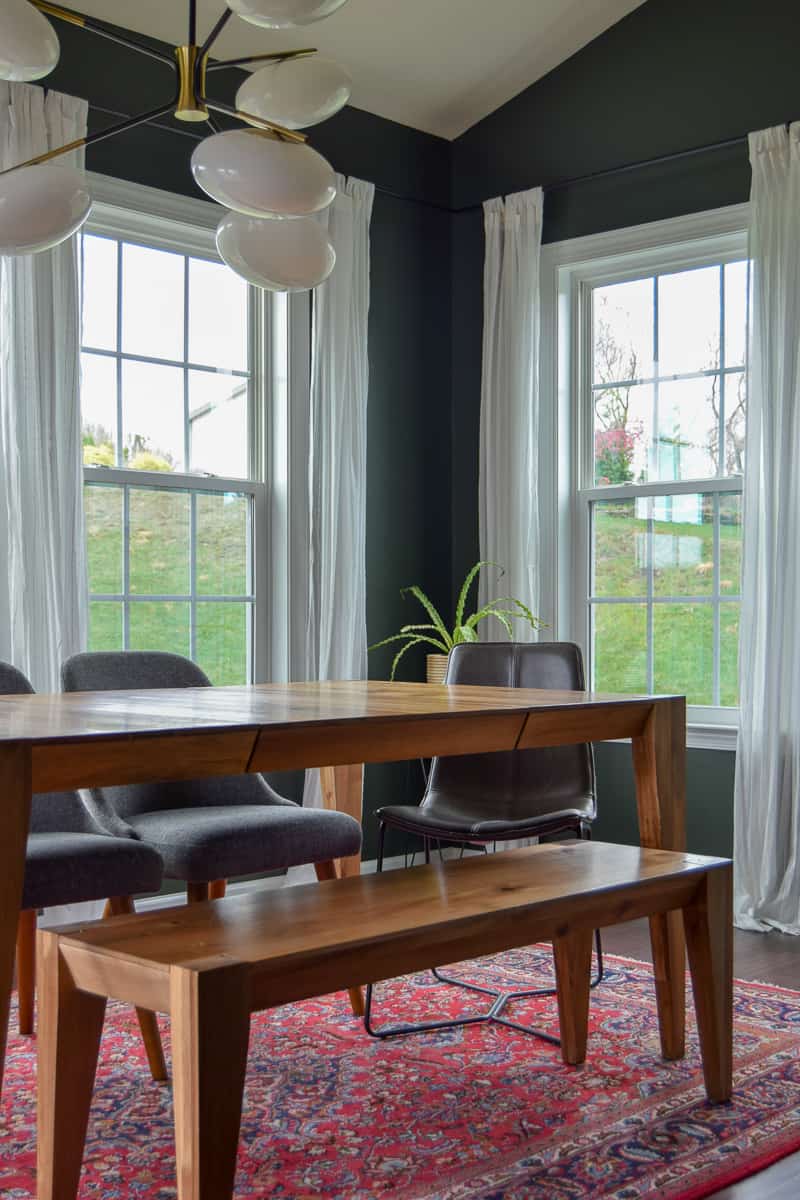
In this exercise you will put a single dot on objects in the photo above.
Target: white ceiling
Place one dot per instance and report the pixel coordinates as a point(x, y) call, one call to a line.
point(437, 65)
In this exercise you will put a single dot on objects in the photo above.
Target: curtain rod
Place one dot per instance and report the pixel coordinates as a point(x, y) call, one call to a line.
point(560, 184)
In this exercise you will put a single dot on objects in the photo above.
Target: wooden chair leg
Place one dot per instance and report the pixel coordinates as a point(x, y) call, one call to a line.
point(217, 889)
point(70, 1026)
point(330, 870)
point(26, 969)
point(709, 940)
point(572, 953)
point(210, 1032)
point(148, 1023)
point(196, 893)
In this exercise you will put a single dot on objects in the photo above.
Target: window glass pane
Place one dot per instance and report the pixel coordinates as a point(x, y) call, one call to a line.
point(152, 417)
point(688, 430)
point(217, 316)
point(689, 321)
point(160, 625)
point(105, 625)
point(730, 544)
point(683, 659)
point(619, 550)
point(104, 511)
point(218, 423)
point(99, 292)
point(152, 302)
point(99, 410)
point(735, 313)
point(222, 543)
point(735, 410)
point(159, 542)
point(620, 647)
point(623, 434)
point(683, 545)
point(222, 641)
point(729, 653)
point(623, 331)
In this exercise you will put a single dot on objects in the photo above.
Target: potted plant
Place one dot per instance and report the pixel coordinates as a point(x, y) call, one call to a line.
point(465, 628)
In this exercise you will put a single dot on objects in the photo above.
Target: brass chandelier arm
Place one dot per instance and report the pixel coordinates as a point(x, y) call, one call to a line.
point(82, 21)
point(92, 138)
point(285, 135)
point(277, 56)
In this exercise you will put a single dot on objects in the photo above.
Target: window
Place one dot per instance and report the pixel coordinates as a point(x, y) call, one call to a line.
point(173, 379)
point(653, 331)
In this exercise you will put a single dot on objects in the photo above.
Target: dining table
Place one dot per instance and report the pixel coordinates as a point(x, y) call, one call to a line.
point(51, 743)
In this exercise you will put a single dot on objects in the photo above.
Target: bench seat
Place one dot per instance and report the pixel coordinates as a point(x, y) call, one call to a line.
point(211, 965)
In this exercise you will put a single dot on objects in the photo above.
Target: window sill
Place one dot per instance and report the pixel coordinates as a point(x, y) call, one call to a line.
point(705, 737)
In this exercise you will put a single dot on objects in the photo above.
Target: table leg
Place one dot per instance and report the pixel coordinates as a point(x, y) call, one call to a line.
point(70, 1027)
point(709, 940)
point(15, 791)
point(210, 1033)
point(659, 760)
point(343, 789)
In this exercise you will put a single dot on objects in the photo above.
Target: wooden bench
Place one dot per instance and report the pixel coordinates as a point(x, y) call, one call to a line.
point(211, 965)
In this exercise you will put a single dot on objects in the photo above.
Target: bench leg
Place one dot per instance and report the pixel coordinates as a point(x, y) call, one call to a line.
point(328, 870)
point(669, 969)
point(70, 1026)
point(572, 953)
point(709, 941)
point(148, 1023)
point(210, 1032)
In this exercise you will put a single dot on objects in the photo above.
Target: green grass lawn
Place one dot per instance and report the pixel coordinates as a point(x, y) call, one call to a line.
point(160, 564)
point(683, 630)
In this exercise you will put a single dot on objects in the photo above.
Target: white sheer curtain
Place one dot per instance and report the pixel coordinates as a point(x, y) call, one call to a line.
point(509, 441)
point(336, 627)
point(767, 790)
point(43, 590)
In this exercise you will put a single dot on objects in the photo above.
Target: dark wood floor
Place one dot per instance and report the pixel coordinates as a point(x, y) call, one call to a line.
point(771, 958)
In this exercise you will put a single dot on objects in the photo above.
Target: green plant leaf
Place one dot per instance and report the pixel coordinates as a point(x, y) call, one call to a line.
point(464, 633)
point(413, 637)
point(432, 612)
point(521, 611)
point(400, 654)
point(467, 584)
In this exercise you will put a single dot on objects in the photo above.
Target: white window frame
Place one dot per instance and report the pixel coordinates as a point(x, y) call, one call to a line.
point(569, 270)
point(136, 213)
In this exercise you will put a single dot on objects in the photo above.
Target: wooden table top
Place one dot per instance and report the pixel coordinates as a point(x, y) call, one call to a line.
point(43, 719)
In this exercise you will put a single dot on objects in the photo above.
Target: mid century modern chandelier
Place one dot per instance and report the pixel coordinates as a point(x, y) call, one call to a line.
point(265, 174)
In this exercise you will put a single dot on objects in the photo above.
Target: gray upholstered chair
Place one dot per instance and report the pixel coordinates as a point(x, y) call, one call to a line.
point(480, 799)
point(71, 859)
point(206, 830)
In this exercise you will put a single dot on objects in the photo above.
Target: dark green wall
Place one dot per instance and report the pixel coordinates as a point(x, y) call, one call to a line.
point(408, 483)
point(672, 76)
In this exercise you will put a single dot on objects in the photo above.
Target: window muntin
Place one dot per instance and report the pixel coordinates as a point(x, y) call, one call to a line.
point(171, 369)
point(664, 421)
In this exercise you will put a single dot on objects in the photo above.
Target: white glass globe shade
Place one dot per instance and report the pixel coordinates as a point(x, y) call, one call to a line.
point(283, 14)
point(262, 176)
point(296, 93)
point(41, 207)
point(281, 256)
point(29, 46)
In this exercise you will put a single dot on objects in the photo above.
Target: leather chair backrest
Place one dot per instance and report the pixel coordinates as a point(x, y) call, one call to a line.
point(51, 812)
point(138, 669)
point(516, 785)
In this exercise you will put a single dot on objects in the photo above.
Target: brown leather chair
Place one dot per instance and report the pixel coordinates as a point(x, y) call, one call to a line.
point(481, 799)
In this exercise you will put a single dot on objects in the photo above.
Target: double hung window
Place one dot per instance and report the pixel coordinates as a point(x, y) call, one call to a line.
point(173, 379)
point(658, 345)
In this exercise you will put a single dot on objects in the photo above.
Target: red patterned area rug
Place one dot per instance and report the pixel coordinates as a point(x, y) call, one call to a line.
point(477, 1113)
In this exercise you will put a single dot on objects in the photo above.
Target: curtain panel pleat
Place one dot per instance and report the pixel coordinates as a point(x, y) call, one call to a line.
point(767, 786)
point(509, 427)
point(43, 588)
